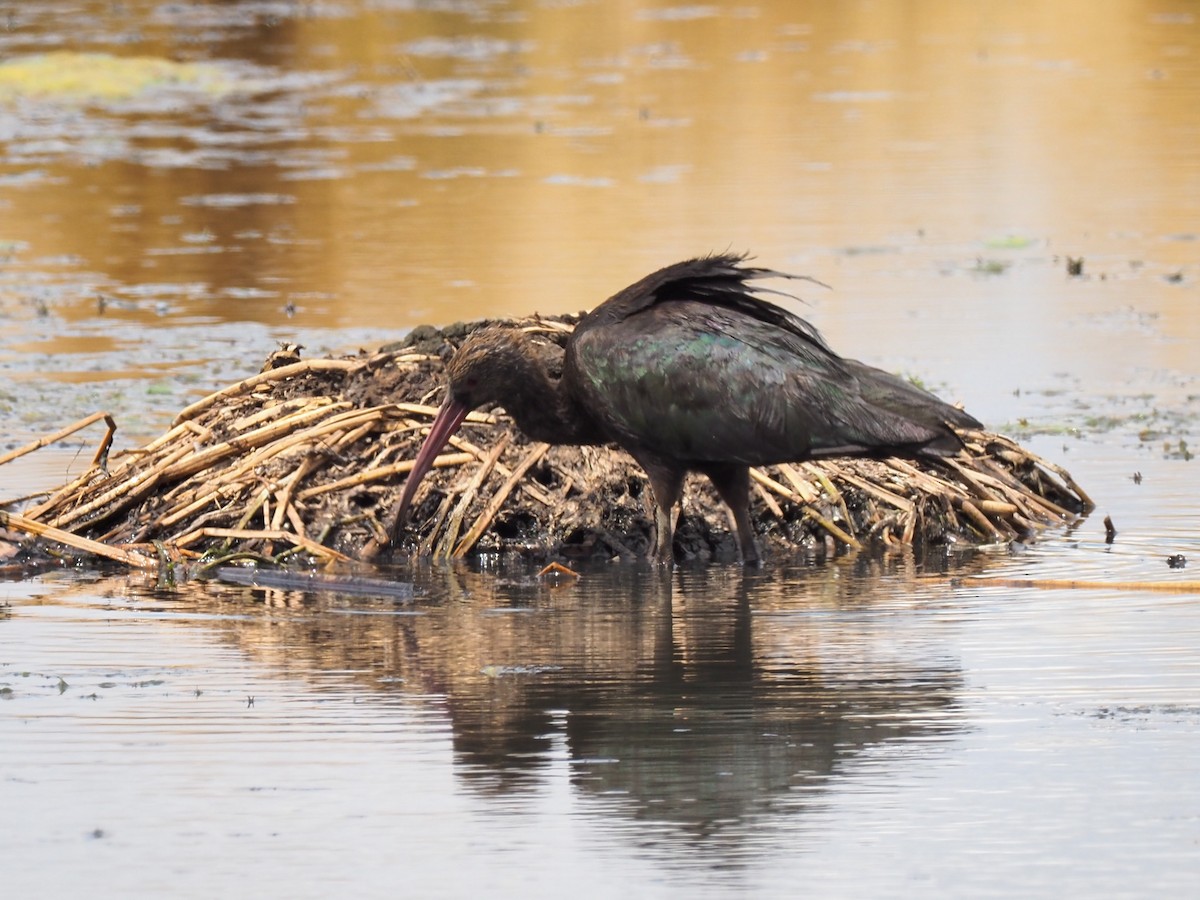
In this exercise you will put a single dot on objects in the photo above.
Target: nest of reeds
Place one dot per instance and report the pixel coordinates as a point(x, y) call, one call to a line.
point(308, 458)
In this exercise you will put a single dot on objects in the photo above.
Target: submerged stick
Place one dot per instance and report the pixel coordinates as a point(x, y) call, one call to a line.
point(1166, 587)
point(400, 591)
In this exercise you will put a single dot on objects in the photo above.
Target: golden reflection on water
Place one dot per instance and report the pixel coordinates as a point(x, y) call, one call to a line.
point(528, 157)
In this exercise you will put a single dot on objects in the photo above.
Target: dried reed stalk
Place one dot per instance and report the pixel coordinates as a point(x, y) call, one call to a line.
point(94, 548)
point(47, 440)
point(489, 512)
point(271, 376)
point(447, 542)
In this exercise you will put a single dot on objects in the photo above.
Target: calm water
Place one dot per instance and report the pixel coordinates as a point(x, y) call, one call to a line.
point(872, 727)
point(857, 728)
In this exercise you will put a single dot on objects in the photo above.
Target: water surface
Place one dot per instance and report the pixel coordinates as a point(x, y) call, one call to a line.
point(867, 728)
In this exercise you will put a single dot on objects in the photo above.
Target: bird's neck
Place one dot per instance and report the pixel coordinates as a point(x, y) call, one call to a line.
point(544, 410)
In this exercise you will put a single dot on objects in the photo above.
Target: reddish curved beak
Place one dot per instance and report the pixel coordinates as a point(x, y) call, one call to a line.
point(449, 417)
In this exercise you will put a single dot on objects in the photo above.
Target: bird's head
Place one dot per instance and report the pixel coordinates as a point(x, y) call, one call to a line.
point(479, 373)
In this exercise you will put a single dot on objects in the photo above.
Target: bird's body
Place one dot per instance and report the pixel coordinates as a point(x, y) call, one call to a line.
point(688, 370)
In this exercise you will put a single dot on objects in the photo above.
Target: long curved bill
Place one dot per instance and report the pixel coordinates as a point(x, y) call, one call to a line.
point(449, 417)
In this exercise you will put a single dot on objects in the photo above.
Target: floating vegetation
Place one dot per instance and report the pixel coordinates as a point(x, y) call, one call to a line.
point(1010, 242)
point(306, 460)
point(83, 77)
point(991, 266)
point(1178, 451)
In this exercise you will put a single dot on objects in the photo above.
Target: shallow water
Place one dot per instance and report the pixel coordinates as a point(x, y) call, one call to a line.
point(374, 165)
point(860, 727)
point(870, 727)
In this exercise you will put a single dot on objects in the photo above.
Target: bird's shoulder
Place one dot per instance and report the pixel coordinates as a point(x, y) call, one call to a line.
point(683, 334)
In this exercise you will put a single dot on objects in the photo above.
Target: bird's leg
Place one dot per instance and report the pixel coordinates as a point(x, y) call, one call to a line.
point(733, 485)
point(666, 482)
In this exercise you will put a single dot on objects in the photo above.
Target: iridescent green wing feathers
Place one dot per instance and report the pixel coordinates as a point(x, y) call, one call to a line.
point(689, 365)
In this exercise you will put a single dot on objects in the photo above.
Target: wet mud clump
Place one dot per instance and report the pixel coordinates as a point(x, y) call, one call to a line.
point(307, 459)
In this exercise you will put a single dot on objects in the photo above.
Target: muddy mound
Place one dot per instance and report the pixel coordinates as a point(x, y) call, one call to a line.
point(308, 458)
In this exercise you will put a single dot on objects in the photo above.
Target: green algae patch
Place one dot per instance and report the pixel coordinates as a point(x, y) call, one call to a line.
point(1010, 242)
point(100, 77)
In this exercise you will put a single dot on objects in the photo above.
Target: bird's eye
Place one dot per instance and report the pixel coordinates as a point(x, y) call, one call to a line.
point(471, 383)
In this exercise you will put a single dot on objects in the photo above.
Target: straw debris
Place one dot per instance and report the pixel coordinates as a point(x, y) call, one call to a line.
point(307, 459)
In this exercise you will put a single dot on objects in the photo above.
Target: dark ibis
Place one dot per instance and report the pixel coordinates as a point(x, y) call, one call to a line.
point(689, 370)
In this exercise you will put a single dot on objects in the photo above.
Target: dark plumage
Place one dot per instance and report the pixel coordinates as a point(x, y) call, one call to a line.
point(688, 370)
